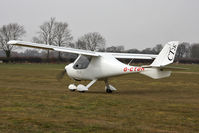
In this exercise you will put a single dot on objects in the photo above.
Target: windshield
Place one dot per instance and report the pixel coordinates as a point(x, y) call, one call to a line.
point(82, 62)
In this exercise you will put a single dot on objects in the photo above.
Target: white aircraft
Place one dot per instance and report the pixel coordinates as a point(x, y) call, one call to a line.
point(95, 66)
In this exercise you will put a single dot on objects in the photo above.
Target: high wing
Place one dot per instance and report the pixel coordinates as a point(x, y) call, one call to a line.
point(133, 56)
point(79, 51)
point(51, 47)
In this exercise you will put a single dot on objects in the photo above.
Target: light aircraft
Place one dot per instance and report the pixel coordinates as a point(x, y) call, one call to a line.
point(91, 65)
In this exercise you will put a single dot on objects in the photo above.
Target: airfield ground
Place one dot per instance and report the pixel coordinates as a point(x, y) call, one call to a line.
point(32, 100)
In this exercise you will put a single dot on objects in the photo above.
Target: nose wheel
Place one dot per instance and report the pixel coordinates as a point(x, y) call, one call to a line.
point(80, 87)
point(72, 87)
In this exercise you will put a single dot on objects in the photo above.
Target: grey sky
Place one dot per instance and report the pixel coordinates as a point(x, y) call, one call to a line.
point(132, 23)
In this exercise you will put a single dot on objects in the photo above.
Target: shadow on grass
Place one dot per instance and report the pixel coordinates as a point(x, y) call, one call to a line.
point(134, 92)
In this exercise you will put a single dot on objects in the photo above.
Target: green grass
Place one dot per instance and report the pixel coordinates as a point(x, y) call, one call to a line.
point(32, 100)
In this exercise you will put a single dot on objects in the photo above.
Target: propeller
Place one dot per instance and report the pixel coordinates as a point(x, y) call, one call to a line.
point(61, 74)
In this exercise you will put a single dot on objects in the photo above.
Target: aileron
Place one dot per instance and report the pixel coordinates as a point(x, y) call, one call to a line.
point(133, 56)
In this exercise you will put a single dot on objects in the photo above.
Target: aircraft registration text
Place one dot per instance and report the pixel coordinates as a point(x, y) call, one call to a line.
point(135, 69)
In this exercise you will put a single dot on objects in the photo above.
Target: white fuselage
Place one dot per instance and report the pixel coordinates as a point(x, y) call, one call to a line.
point(101, 67)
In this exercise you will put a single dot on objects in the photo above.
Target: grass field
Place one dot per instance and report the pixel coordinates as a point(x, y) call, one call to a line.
point(32, 100)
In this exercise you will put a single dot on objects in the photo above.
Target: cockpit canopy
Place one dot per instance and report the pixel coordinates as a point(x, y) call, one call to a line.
point(82, 62)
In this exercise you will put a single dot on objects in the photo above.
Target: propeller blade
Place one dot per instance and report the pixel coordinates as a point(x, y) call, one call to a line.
point(61, 75)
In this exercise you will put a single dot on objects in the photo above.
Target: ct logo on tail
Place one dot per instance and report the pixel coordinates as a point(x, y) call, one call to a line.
point(172, 52)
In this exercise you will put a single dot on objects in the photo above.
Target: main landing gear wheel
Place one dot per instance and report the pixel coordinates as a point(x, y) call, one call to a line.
point(109, 88)
point(109, 91)
point(72, 87)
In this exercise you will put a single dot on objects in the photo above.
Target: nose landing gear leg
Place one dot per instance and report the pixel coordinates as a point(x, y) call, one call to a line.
point(82, 88)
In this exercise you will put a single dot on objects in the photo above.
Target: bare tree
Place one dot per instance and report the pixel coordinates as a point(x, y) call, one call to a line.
point(111, 49)
point(62, 35)
point(115, 49)
point(38, 40)
point(195, 50)
point(71, 44)
point(80, 44)
point(183, 50)
point(147, 51)
point(157, 49)
point(120, 48)
point(31, 53)
point(133, 51)
point(46, 33)
point(93, 41)
point(54, 33)
point(12, 31)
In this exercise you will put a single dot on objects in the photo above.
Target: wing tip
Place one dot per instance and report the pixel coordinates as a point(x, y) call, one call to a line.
point(12, 42)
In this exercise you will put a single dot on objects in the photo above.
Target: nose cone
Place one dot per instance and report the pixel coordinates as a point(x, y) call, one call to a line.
point(68, 69)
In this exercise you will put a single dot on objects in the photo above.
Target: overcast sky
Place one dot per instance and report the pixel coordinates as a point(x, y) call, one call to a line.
point(132, 23)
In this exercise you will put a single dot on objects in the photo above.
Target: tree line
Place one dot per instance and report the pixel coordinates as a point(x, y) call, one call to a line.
point(51, 32)
point(57, 33)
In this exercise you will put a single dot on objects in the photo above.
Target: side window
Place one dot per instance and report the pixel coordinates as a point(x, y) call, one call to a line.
point(82, 62)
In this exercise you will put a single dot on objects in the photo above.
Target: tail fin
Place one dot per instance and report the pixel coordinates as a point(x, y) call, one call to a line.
point(167, 55)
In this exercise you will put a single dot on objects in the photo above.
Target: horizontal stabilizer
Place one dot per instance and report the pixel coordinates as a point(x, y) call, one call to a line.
point(166, 68)
point(169, 68)
point(156, 73)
